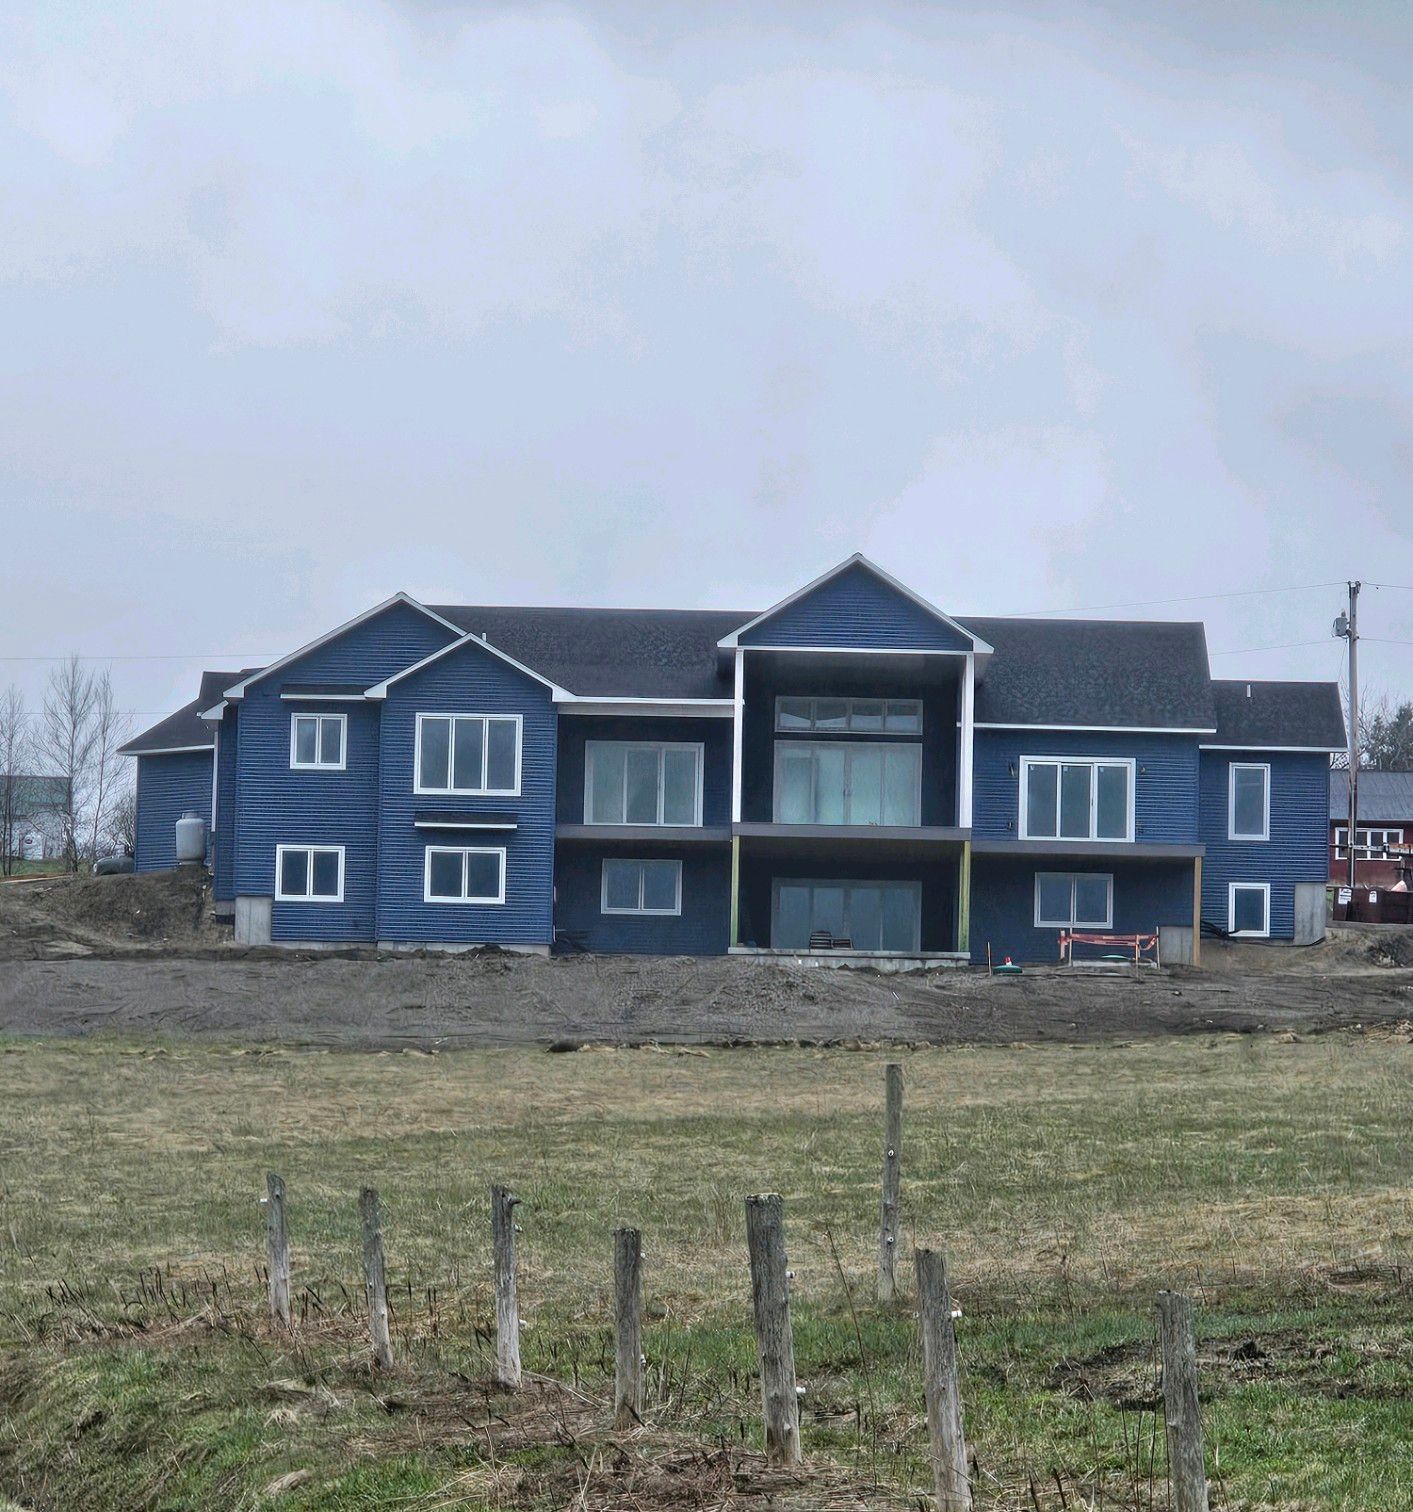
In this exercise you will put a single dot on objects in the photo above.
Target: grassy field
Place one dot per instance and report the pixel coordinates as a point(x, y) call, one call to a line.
point(1067, 1185)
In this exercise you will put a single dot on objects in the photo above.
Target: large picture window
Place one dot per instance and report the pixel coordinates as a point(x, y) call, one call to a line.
point(463, 874)
point(1074, 900)
point(477, 754)
point(641, 887)
point(883, 916)
point(650, 784)
point(309, 874)
point(842, 782)
point(1249, 801)
point(1076, 798)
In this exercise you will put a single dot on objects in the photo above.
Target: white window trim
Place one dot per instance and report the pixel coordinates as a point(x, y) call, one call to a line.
point(1071, 923)
point(783, 748)
point(1249, 766)
point(661, 747)
point(318, 766)
point(815, 699)
point(463, 851)
point(1023, 822)
point(1392, 835)
point(1248, 934)
point(456, 792)
point(283, 897)
point(642, 913)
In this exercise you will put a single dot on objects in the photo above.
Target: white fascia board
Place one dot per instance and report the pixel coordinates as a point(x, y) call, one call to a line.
point(185, 750)
point(238, 691)
point(1257, 746)
point(1105, 729)
point(668, 708)
point(324, 697)
point(465, 638)
point(979, 646)
point(214, 714)
point(465, 824)
point(858, 650)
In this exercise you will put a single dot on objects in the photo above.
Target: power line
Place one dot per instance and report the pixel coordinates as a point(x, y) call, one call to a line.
point(1283, 646)
point(212, 656)
point(1186, 598)
point(1383, 640)
point(1401, 587)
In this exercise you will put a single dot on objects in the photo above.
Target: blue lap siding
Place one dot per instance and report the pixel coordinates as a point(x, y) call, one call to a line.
point(700, 929)
point(280, 806)
point(1298, 850)
point(858, 610)
point(167, 788)
point(470, 680)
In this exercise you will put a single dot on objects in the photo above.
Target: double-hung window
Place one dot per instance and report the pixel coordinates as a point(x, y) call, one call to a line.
point(641, 887)
point(477, 754)
point(1249, 801)
point(316, 742)
point(652, 784)
point(464, 874)
point(1074, 900)
point(309, 874)
point(1076, 798)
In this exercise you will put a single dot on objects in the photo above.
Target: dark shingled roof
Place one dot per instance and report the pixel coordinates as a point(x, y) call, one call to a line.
point(1144, 674)
point(1382, 796)
point(1278, 714)
point(612, 653)
point(185, 727)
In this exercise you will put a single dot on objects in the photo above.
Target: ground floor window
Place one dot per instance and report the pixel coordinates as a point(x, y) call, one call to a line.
point(1074, 900)
point(641, 887)
point(868, 915)
point(1249, 908)
point(464, 874)
point(309, 874)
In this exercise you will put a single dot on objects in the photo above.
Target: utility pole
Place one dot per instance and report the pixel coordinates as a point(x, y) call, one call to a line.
point(1347, 627)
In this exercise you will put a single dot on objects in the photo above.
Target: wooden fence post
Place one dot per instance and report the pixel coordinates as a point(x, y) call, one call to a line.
point(503, 1205)
point(1181, 1413)
point(628, 1327)
point(375, 1278)
point(277, 1248)
point(892, 1183)
point(939, 1374)
point(770, 1296)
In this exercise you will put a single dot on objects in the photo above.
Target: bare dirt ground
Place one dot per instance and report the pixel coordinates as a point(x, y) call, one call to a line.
point(142, 954)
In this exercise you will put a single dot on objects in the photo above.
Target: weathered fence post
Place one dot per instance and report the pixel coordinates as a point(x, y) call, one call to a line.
point(375, 1278)
point(503, 1205)
point(770, 1296)
point(628, 1327)
point(277, 1248)
point(1178, 1337)
point(939, 1375)
point(892, 1183)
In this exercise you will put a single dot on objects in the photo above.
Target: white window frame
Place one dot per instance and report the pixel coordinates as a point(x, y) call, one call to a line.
point(1248, 766)
point(640, 912)
point(1093, 763)
point(283, 897)
point(815, 699)
point(296, 765)
point(1071, 922)
point(1392, 835)
point(463, 851)
point(479, 792)
point(783, 749)
point(660, 747)
point(1263, 933)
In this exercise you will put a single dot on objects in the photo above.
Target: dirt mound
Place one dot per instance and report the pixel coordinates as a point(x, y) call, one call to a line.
point(84, 915)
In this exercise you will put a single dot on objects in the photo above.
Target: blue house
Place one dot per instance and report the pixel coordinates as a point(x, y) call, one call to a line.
point(851, 770)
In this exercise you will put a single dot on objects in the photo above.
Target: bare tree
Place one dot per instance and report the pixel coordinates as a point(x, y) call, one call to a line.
point(65, 746)
point(14, 743)
point(120, 830)
point(110, 727)
point(1385, 733)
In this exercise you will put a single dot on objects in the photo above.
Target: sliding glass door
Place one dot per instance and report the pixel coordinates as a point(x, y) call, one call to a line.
point(835, 782)
point(869, 915)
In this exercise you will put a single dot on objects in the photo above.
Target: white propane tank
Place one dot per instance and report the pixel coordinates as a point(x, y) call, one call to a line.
point(191, 839)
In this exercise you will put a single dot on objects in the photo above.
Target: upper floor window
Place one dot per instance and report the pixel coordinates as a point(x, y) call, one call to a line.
point(1367, 842)
point(309, 874)
point(1076, 798)
point(850, 716)
point(316, 741)
point(846, 782)
point(1249, 801)
point(468, 753)
point(626, 783)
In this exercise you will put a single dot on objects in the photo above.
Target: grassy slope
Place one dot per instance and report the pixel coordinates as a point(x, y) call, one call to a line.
point(1066, 1185)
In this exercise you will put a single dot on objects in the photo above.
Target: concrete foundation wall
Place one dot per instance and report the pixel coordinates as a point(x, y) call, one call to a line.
point(1311, 901)
point(252, 920)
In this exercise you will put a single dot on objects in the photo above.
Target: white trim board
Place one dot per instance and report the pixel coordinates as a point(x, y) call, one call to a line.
point(1299, 750)
point(465, 824)
point(858, 559)
point(188, 750)
point(1103, 729)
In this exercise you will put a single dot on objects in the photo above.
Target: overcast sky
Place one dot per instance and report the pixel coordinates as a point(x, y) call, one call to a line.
point(1040, 306)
